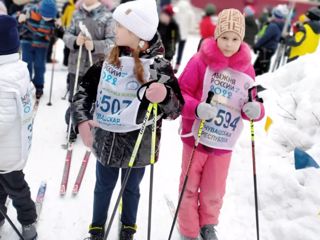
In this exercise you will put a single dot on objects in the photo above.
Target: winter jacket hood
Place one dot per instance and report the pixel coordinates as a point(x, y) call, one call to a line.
point(214, 58)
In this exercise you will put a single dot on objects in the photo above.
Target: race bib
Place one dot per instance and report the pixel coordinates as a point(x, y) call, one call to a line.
point(230, 90)
point(117, 104)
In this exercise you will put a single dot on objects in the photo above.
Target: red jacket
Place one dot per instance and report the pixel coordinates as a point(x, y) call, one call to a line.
point(207, 27)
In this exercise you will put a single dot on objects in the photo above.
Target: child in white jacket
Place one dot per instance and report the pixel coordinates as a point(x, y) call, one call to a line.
point(15, 128)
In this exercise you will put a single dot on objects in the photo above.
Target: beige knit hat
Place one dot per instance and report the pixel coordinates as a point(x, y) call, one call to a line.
point(230, 20)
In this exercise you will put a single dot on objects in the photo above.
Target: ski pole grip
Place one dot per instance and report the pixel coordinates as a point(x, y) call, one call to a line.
point(250, 94)
point(210, 96)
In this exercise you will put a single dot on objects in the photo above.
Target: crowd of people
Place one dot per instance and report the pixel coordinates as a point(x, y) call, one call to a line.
point(114, 54)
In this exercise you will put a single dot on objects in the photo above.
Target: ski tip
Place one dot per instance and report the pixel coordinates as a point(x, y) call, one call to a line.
point(75, 190)
point(63, 190)
point(43, 183)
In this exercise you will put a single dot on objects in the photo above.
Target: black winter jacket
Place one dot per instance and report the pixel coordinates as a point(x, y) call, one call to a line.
point(170, 36)
point(115, 149)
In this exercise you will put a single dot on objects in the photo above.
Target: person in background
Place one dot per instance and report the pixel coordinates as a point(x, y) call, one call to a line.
point(306, 38)
point(134, 61)
point(16, 120)
point(223, 67)
point(66, 17)
point(251, 26)
point(15, 6)
point(207, 26)
point(185, 18)
point(38, 25)
point(268, 43)
point(98, 20)
point(169, 31)
point(265, 16)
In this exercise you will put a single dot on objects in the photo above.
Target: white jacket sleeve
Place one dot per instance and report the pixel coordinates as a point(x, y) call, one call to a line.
point(8, 112)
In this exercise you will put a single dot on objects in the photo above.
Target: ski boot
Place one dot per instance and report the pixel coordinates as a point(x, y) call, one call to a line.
point(29, 232)
point(188, 238)
point(73, 136)
point(39, 93)
point(1, 223)
point(208, 232)
point(127, 232)
point(96, 233)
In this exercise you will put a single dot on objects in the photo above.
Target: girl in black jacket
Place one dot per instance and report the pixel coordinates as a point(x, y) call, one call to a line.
point(112, 85)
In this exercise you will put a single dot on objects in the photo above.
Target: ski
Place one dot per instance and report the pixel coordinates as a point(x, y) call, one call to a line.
point(77, 184)
point(171, 206)
point(66, 170)
point(40, 197)
point(35, 108)
point(172, 209)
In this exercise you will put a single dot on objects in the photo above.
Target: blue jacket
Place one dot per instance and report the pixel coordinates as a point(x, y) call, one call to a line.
point(271, 37)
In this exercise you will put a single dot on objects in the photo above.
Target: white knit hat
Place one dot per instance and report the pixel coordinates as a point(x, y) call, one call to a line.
point(139, 17)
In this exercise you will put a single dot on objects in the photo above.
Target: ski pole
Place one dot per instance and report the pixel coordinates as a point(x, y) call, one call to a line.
point(11, 223)
point(90, 58)
point(196, 143)
point(130, 165)
point(254, 169)
point(74, 91)
point(52, 74)
point(152, 161)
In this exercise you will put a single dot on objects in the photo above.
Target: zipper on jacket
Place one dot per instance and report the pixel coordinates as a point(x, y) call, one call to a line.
point(111, 149)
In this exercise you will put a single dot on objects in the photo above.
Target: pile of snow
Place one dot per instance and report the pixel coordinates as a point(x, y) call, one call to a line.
point(289, 199)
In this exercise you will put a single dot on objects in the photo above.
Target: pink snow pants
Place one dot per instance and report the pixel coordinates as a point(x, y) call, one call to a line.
point(203, 196)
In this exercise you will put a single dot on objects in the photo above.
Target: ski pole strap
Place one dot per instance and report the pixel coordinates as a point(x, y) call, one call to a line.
point(154, 133)
point(209, 98)
point(146, 85)
point(141, 132)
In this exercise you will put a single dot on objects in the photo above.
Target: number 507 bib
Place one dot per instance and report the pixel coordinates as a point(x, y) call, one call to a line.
point(230, 90)
point(117, 103)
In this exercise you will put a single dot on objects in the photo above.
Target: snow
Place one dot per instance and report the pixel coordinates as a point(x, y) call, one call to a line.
point(288, 199)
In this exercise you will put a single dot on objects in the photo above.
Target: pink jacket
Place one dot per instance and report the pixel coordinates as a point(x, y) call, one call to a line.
point(191, 80)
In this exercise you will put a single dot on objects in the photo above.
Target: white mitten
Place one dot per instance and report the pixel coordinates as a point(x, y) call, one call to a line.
point(206, 111)
point(252, 110)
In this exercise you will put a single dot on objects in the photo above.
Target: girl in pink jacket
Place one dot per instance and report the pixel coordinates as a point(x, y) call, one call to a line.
point(222, 66)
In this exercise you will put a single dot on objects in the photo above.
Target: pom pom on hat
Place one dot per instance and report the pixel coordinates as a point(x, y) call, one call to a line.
point(210, 9)
point(9, 40)
point(230, 20)
point(248, 11)
point(140, 17)
point(48, 9)
point(168, 9)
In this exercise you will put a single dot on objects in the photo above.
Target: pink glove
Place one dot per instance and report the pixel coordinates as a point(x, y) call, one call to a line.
point(156, 92)
point(85, 132)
